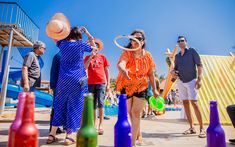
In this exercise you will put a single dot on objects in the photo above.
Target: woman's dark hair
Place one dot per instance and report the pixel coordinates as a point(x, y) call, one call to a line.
point(143, 36)
point(75, 34)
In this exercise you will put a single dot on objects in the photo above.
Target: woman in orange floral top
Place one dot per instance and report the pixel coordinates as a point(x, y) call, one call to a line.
point(135, 69)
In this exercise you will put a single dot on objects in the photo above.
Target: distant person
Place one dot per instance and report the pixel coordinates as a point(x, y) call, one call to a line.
point(231, 113)
point(188, 68)
point(31, 73)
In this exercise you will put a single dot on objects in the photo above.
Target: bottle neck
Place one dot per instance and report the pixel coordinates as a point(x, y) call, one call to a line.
point(88, 112)
point(20, 106)
point(28, 111)
point(122, 110)
point(214, 115)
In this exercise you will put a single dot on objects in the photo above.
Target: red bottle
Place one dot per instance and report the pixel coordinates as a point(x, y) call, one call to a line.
point(27, 134)
point(18, 119)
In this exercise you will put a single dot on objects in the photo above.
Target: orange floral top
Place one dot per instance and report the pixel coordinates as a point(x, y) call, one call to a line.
point(138, 72)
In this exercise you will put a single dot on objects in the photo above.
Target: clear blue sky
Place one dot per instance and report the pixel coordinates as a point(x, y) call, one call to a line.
point(209, 25)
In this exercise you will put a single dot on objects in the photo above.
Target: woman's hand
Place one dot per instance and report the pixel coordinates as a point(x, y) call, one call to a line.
point(125, 73)
point(155, 93)
point(83, 29)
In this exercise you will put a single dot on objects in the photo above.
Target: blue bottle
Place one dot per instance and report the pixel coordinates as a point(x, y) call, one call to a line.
point(215, 132)
point(122, 128)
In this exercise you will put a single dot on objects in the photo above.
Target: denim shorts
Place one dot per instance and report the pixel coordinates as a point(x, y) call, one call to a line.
point(98, 91)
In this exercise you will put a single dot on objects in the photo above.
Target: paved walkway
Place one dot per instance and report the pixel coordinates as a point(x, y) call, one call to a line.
point(165, 130)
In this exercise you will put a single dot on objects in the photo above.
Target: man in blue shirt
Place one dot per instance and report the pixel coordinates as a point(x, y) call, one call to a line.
point(55, 67)
point(188, 68)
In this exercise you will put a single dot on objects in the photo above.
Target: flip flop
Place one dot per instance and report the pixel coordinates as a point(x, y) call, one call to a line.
point(71, 141)
point(50, 141)
point(189, 131)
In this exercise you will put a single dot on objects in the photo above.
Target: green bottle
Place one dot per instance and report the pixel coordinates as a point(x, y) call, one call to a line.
point(87, 134)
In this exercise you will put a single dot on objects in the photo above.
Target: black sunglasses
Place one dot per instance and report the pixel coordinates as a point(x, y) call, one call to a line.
point(180, 41)
point(138, 38)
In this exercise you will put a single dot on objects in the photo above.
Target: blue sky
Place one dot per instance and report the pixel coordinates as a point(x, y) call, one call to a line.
point(209, 25)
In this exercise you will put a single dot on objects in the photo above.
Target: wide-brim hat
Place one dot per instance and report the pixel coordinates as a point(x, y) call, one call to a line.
point(58, 27)
point(99, 44)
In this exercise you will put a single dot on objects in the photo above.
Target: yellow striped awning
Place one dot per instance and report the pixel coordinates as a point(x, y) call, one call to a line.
point(218, 83)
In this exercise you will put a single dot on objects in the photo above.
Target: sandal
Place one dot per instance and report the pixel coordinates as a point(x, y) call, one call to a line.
point(202, 133)
point(50, 141)
point(189, 131)
point(100, 131)
point(69, 141)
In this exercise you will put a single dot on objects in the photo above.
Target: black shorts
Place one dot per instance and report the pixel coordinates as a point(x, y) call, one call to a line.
point(141, 95)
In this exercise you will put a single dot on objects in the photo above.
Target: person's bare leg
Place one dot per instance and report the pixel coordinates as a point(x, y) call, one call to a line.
point(101, 114)
point(198, 113)
point(53, 132)
point(137, 108)
point(188, 112)
point(95, 118)
point(129, 107)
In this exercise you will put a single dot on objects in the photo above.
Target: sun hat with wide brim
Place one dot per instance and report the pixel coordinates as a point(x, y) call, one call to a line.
point(58, 27)
point(99, 44)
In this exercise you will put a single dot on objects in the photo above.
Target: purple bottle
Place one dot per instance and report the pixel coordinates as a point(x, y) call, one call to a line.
point(18, 119)
point(215, 132)
point(122, 128)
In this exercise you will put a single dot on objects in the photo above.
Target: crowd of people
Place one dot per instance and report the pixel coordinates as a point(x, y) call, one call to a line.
point(72, 76)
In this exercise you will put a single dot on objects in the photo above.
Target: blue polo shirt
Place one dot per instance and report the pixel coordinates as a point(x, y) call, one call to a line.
point(186, 64)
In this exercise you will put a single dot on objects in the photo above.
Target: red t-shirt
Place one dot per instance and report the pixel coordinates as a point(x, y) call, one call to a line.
point(96, 69)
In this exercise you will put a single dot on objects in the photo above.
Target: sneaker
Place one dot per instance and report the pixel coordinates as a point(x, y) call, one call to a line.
point(202, 134)
point(232, 141)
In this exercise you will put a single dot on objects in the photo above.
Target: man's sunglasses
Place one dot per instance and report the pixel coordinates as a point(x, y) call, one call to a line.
point(138, 38)
point(180, 41)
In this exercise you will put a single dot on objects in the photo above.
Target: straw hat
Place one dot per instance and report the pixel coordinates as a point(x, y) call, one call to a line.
point(58, 27)
point(99, 44)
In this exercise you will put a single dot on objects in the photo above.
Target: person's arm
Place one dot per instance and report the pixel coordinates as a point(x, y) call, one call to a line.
point(26, 64)
point(197, 61)
point(90, 37)
point(25, 78)
point(88, 61)
point(106, 69)
point(123, 70)
point(199, 77)
point(153, 82)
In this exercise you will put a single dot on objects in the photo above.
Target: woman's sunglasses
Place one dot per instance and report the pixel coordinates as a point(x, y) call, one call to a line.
point(138, 38)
